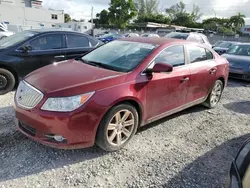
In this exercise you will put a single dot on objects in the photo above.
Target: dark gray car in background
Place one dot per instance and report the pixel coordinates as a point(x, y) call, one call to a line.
point(238, 57)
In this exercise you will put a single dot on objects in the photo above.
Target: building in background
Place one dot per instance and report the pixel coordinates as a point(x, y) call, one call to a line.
point(82, 27)
point(29, 13)
point(246, 29)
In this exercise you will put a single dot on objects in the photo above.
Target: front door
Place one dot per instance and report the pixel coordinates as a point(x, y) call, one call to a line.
point(77, 46)
point(168, 91)
point(46, 49)
point(203, 72)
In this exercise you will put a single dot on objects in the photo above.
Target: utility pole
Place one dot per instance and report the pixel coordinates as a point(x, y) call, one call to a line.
point(92, 22)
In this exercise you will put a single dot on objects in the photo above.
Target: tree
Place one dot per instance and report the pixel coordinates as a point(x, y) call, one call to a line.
point(67, 18)
point(196, 14)
point(103, 17)
point(176, 10)
point(146, 7)
point(237, 21)
point(157, 18)
point(121, 12)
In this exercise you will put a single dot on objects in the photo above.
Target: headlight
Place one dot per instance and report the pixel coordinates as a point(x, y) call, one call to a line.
point(66, 104)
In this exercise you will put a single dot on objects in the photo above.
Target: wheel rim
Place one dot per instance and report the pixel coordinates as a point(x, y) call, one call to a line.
point(3, 81)
point(216, 94)
point(120, 127)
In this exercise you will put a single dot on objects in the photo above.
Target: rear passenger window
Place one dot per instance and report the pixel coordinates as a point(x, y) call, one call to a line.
point(209, 55)
point(196, 54)
point(77, 41)
point(173, 55)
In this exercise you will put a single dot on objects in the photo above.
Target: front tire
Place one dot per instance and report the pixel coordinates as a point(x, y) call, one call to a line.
point(117, 127)
point(7, 81)
point(215, 95)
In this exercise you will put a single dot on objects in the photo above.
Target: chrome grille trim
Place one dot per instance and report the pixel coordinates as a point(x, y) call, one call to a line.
point(27, 96)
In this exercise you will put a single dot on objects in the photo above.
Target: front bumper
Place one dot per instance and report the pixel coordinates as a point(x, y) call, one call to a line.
point(239, 74)
point(78, 129)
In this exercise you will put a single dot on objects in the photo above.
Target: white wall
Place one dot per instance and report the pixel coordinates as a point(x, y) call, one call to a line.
point(29, 16)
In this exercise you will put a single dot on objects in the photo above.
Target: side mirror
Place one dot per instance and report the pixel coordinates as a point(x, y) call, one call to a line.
point(26, 48)
point(160, 67)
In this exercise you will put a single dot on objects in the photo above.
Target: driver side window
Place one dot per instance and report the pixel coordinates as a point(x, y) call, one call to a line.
point(173, 55)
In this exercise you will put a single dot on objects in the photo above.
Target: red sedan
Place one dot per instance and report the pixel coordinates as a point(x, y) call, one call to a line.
point(106, 95)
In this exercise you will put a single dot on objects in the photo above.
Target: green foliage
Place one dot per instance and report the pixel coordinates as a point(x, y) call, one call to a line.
point(146, 7)
point(121, 12)
point(237, 21)
point(102, 17)
point(67, 18)
point(156, 18)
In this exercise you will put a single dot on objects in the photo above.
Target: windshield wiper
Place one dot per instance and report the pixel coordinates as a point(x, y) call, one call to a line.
point(99, 64)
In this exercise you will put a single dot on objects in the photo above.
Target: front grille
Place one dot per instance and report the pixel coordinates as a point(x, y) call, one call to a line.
point(26, 128)
point(27, 96)
point(235, 75)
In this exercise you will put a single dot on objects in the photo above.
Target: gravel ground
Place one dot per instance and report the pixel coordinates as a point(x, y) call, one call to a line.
point(193, 148)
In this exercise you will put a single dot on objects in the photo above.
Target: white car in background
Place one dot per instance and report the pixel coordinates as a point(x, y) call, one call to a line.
point(149, 35)
point(4, 31)
point(131, 35)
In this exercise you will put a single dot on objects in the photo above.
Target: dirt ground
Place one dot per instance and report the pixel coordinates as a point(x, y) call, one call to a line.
point(191, 149)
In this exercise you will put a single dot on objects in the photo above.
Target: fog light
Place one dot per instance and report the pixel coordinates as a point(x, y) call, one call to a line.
point(57, 138)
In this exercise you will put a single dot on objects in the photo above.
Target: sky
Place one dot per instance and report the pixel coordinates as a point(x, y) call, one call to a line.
point(222, 8)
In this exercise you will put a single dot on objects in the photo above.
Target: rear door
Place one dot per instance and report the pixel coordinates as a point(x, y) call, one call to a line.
point(45, 49)
point(77, 45)
point(203, 72)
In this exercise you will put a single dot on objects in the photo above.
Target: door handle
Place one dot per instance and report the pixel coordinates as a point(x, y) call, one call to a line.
point(213, 70)
point(60, 56)
point(185, 79)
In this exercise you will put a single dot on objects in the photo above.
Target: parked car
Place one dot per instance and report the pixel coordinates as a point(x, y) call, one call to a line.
point(104, 97)
point(239, 176)
point(27, 51)
point(222, 47)
point(5, 33)
point(190, 36)
point(150, 35)
point(239, 59)
point(110, 37)
point(131, 35)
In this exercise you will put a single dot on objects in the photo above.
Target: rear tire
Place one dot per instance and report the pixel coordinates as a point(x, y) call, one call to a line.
point(215, 95)
point(117, 127)
point(7, 81)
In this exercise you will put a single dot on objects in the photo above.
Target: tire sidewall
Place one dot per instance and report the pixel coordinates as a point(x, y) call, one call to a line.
point(10, 81)
point(101, 138)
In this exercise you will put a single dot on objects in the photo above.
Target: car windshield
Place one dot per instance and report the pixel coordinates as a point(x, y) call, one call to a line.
point(122, 56)
point(145, 35)
point(177, 35)
point(218, 43)
point(243, 50)
point(16, 39)
point(225, 44)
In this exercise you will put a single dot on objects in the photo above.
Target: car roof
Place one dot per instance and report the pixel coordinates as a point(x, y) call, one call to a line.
point(152, 40)
point(54, 31)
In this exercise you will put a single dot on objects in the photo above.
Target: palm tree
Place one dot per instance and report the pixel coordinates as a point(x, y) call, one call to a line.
point(237, 21)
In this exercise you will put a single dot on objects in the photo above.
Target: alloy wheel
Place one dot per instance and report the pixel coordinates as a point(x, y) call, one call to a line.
point(216, 94)
point(120, 127)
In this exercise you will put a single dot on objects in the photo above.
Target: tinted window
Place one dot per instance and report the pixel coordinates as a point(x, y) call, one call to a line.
point(173, 55)
point(47, 42)
point(196, 54)
point(177, 35)
point(77, 41)
point(209, 55)
point(93, 41)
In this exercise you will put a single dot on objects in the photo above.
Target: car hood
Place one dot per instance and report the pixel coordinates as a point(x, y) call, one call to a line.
point(237, 61)
point(73, 77)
